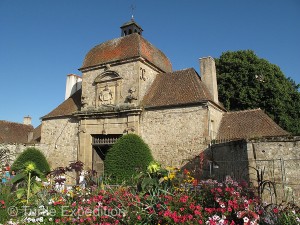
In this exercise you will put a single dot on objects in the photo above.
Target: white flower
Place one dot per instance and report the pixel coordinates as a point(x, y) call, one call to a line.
point(246, 219)
point(216, 217)
point(221, 221)
point(41, 220)
point(31, 213)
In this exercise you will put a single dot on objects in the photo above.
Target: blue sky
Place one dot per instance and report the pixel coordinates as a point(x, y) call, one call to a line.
point(42, 41)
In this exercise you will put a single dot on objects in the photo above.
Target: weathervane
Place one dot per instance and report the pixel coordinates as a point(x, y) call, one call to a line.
point(132, 11)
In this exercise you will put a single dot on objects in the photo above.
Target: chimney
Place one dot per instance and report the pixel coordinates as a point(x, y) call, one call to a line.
point(209, 76)
point(30, 136)
point(27, 120)
point(73, 84)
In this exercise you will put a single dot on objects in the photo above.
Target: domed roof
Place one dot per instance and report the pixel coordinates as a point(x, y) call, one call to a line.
point(127, 47)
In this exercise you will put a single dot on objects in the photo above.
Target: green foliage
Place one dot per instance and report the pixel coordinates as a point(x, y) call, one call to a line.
point(246, 81)
point(29, 177)
point(6, 200)
point(154, 179)
point(129, 155)
point(33, 155)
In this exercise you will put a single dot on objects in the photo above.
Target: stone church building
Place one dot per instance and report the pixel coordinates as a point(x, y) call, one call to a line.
point(128, 86)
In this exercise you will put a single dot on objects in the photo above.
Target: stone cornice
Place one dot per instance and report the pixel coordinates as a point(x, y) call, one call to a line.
point(119, 62)
point(109, 113)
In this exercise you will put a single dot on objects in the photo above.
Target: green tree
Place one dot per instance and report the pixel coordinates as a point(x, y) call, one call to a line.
point(127, 157)
point(31, 155)
point(246, 81)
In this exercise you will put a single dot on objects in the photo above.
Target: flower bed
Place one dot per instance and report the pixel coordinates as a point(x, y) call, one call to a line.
point(161, 196)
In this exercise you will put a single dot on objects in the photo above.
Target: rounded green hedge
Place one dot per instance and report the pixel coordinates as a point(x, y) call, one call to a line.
point(34, 155)
point(127, 157)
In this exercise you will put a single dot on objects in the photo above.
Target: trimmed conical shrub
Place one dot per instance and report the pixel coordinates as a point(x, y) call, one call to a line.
point(127, 157)
point(34, 155)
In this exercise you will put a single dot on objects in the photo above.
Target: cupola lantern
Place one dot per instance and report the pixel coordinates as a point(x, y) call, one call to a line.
point(130, 27)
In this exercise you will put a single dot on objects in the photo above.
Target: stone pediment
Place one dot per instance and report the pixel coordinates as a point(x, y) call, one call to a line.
point(107, 76)
point(108, 90)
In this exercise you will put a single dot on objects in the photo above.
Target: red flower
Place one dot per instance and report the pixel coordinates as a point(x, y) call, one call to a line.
point(192, 206)
point(195, 182)
point(185, 171)
point(184, 199)
point(197, 212)
point(275, 210)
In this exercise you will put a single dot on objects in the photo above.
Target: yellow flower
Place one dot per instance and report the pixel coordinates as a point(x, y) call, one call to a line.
point(30, 167)
point(153, 167)
point(171, 176)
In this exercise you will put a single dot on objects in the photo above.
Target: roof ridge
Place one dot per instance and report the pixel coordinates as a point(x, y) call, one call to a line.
point(190, 68)
point(6, 121)
point(243, 111)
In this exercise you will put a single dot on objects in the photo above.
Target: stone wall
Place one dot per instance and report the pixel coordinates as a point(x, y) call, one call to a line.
point(175, 135)
point(278, 159)
point(13, 150)
point(214, 120)
point(229, 158)
point(59, 141)
point(273, 159)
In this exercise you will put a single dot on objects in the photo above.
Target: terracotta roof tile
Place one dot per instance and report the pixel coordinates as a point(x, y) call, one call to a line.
point(67, 108)
point(176, 88)
point(11, 132)
point(248, 124)
point(126, 47)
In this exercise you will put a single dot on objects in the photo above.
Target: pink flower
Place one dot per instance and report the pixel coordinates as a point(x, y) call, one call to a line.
point(184, 199)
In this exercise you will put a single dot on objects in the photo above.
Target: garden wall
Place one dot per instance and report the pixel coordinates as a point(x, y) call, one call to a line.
point(274, 159)
point(9, 152)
